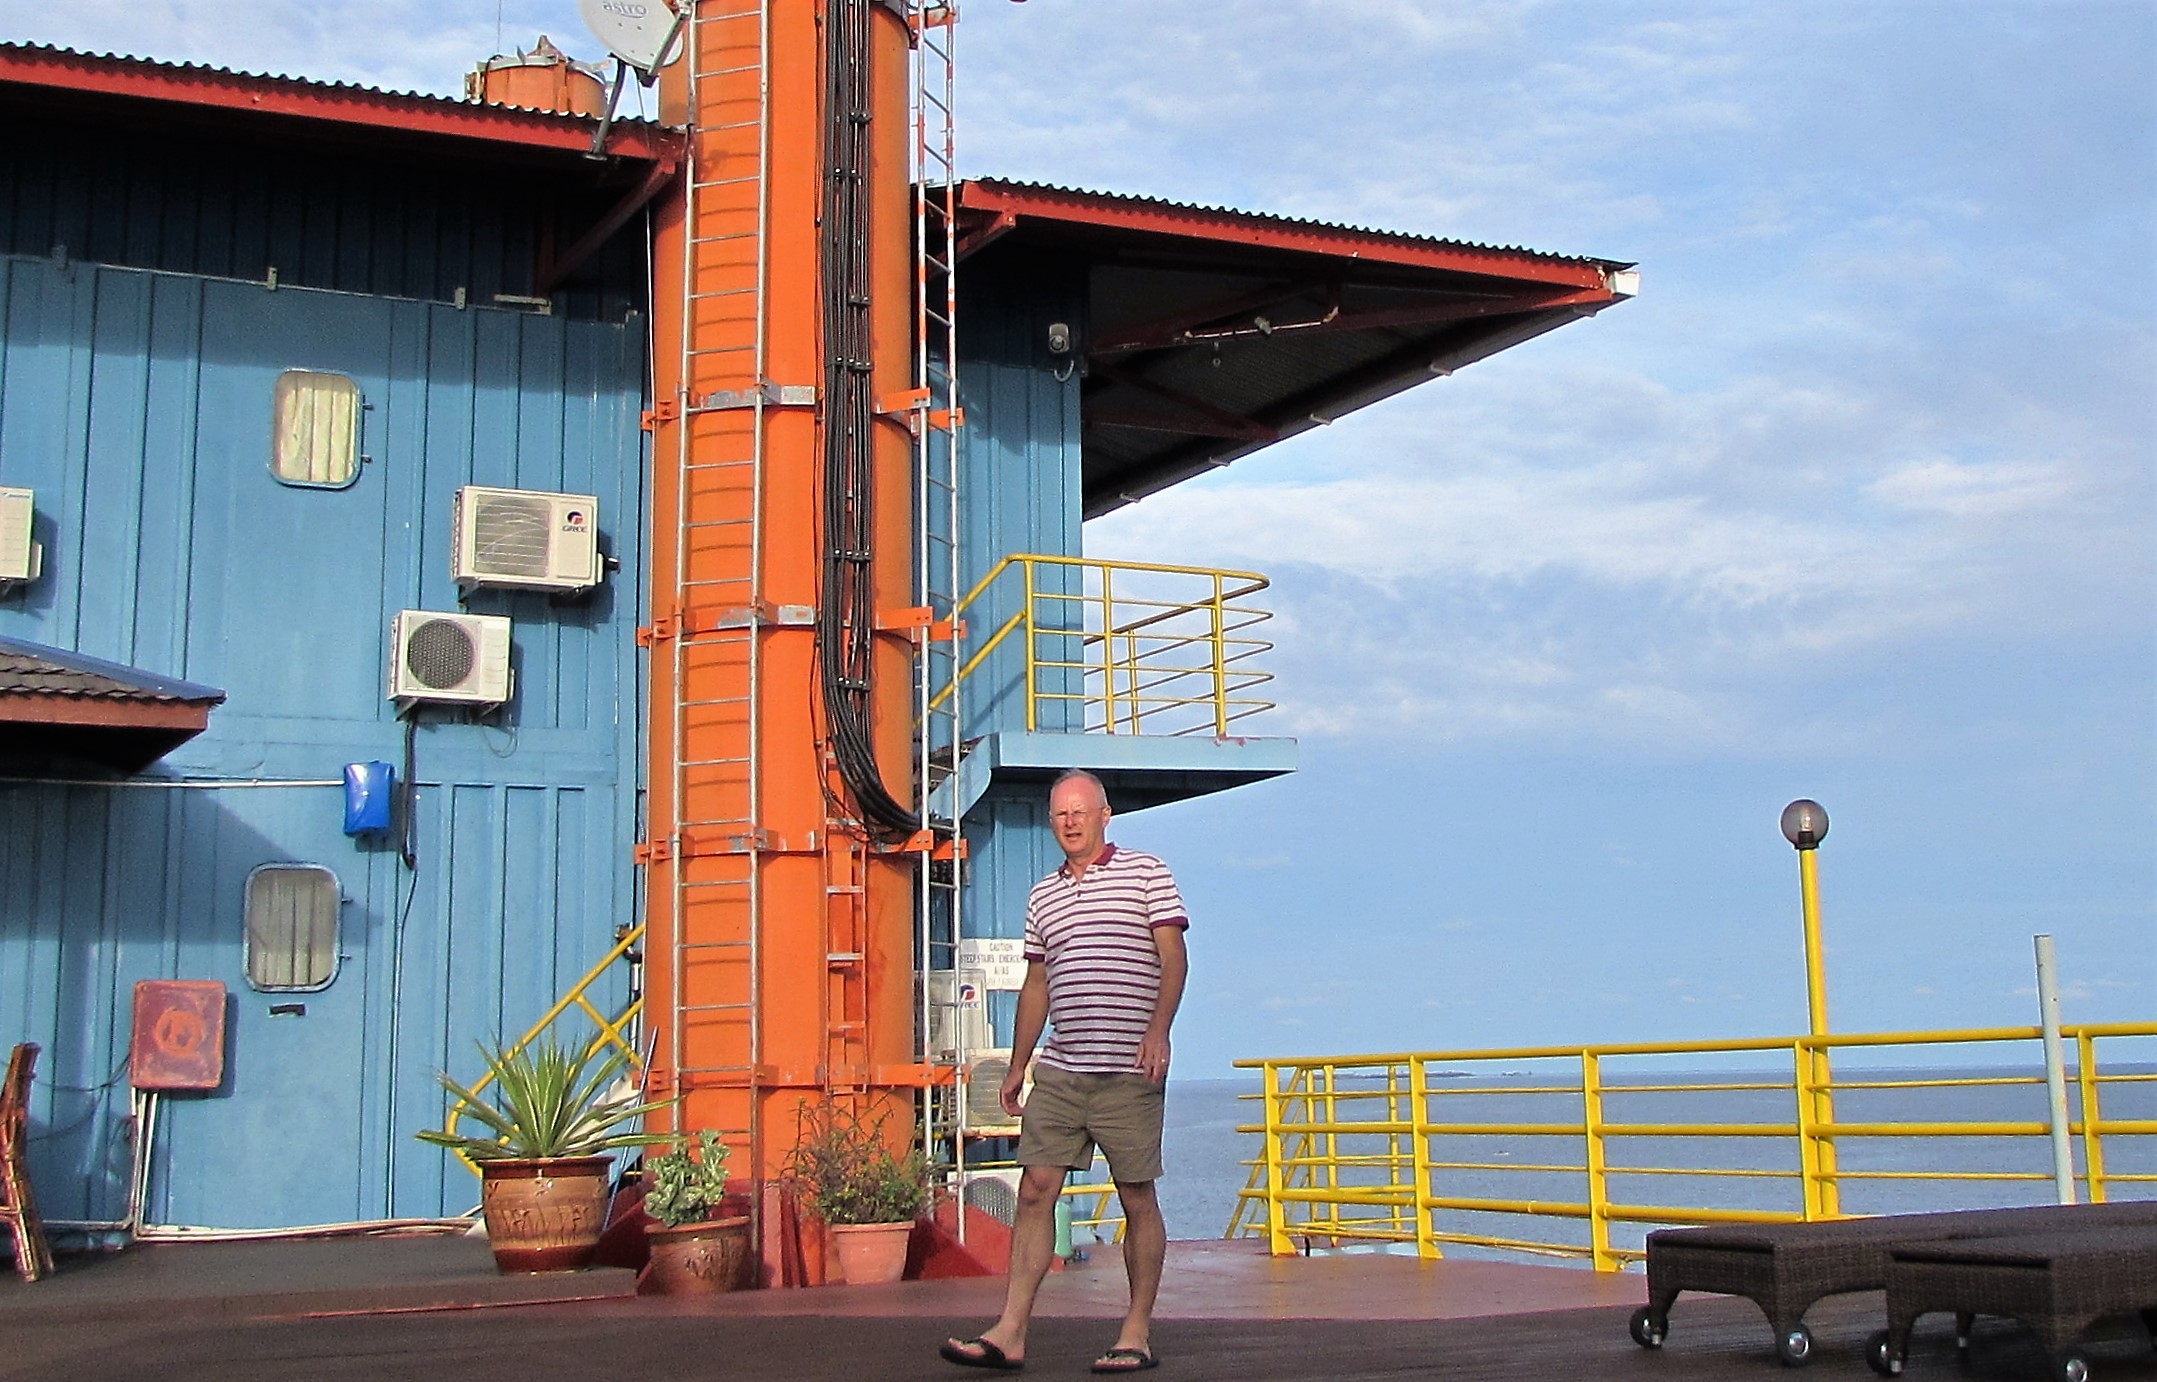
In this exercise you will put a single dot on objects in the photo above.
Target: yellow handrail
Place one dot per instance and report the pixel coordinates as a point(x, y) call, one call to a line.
point(612, 1031)
point(1164, 660)
point(1369, 1148)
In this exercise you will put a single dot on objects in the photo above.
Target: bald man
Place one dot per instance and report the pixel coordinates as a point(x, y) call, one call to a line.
point(1105, 966)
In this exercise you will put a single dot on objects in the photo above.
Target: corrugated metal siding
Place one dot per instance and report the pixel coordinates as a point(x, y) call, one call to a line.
point(324, 216)
point(1019, 480)
point(137, 406)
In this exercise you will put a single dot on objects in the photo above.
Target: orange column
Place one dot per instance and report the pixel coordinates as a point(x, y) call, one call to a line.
point(781, 952)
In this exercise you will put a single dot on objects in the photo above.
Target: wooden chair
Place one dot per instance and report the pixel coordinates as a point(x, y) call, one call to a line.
point(18, 1209)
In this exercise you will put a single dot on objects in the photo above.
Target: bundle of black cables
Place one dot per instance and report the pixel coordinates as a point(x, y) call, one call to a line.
point(846, 615)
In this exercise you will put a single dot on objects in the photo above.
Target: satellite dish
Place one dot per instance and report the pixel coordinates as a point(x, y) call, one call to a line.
point(639, 32)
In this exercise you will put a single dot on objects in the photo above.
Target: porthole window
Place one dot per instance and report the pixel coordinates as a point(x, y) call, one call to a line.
point(292, 927)
point(315, 432)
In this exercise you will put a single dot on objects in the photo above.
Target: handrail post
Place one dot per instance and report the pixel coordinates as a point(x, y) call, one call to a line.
point(1419, 1092)
point(1276, 1210)
point(1220, 663)
point(2093, 1147)
point(1108, 648)
point(1591, 1101)
point(1033, 657)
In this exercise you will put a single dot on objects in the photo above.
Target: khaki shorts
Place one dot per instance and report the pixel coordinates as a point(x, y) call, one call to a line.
point(1068, 1115)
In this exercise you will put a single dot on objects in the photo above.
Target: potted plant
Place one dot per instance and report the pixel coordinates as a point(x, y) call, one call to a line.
point(542, 1156)
point(868, 1195)
point(698, 1247)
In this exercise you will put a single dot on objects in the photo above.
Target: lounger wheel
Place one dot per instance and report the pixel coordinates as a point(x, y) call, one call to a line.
point(1880, 1359)
point(1794, 1346)
point(1647, 1330)
point(2071, 1367)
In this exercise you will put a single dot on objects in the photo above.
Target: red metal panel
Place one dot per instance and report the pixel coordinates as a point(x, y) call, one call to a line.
point(179, 1040)
point(995, 201)
point(351, 106)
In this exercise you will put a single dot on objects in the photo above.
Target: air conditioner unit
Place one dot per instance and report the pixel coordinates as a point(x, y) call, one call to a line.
point(456, 658)
point(958, 1013)
point(985, 1075)
point(21, 558)
point(525, 539)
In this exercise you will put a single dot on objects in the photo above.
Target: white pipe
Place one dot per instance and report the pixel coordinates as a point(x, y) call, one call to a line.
point(2048, 1012)
point(198, 783)
point(176, 1233)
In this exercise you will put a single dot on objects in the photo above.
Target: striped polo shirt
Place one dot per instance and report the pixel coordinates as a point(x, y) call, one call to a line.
point(1095, 934)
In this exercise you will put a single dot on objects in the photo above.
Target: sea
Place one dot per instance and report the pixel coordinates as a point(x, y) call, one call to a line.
point(1205, 1156)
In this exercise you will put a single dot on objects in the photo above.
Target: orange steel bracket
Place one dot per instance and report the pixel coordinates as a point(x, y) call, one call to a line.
point(667, 411)
point(651, 852)
point(662, 628)
point(904, 401)
point(916, 1075)
point(947, 419)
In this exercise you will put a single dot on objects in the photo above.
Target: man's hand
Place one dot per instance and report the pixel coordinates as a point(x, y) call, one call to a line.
point(1014, 1086)
point(1153, 1056)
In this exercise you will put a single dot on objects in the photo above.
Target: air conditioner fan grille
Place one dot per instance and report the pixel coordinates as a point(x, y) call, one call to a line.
point(511, 535)
point(439, 654)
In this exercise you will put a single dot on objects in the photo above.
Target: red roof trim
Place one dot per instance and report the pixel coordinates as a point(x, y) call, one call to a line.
point(335, 103)
point(1002, 199)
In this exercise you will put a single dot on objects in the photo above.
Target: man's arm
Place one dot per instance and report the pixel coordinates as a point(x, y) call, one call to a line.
point(1175, 964)
point(1033, 1015)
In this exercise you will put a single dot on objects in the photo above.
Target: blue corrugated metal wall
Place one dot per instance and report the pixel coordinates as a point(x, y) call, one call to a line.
point(1019, 490)
point(137, 405)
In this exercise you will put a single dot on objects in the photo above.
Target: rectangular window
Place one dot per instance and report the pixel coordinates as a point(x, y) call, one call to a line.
point(292, 927)
point(315, 435)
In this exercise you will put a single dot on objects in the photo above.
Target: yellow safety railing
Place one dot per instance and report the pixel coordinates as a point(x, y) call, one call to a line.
point(1137, 647)
point(612, 1031)
point(1488, 1148)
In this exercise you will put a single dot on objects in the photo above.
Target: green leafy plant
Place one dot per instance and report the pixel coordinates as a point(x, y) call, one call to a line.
point(681, 1187)
point(847, 1171)
point(548, 1101)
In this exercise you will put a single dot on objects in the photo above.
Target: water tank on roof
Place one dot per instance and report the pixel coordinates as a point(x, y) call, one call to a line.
point(545, 78)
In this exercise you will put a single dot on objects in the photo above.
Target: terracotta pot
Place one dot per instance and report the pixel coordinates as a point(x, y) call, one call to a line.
point(697, 1259)
point(545, 1216)
point(871, 1253)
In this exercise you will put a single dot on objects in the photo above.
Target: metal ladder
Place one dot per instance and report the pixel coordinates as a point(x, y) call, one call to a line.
point(715, 840)
point(936, 422)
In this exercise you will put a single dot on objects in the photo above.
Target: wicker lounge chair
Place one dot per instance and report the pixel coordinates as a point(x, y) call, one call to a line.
point(2058, 1284)
point(1784, 1268)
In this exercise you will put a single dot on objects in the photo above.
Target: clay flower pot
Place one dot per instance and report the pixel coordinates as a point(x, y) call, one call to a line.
point(546, 1215)
point(870, 1254)
point(696, 1259)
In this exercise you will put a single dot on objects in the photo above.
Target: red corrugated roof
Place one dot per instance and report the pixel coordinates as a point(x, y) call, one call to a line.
point(340, 103)
point(994, 196)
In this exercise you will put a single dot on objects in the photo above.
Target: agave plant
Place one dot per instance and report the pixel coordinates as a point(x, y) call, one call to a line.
point(549, 1101)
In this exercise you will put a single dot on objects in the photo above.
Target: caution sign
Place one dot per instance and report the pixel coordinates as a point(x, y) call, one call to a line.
point(179, 1040)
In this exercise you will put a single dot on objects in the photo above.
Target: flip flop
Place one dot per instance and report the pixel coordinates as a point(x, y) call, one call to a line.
point(1126, 1360)
point(990, 1356)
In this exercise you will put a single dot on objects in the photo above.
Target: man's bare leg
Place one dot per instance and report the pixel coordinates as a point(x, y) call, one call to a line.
point(1033, 1243)
point(1145, 1249)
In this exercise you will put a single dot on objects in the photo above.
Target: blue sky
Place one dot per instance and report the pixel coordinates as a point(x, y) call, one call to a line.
point(1857, 501)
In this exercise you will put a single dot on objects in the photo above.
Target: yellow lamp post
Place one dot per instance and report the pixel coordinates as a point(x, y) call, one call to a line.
point(1804, 825)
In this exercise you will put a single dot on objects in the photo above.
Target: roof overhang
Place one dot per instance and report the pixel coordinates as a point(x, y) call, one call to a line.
point(1213, 333)
point(61, 711)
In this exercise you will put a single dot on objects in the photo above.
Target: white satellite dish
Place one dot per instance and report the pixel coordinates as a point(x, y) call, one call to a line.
point(639, 32)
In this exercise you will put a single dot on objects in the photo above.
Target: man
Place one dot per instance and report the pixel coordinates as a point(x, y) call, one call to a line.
point(1105, 965)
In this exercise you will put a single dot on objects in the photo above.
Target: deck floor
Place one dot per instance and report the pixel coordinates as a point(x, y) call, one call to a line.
point(431, 1308)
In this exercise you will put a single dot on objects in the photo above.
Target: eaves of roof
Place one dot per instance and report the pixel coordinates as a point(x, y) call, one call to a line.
point(347, 106)
point(33, 669)
point(998, 198)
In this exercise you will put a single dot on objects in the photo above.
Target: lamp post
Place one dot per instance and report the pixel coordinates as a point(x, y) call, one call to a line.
point(1804, 825)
